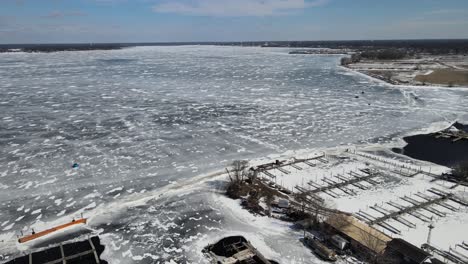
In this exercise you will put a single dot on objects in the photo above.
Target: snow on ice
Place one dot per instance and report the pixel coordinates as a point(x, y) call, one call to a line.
point(144, 122)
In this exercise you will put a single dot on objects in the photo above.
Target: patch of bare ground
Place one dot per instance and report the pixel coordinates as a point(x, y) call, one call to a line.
point(450, 77)
point(412, 69)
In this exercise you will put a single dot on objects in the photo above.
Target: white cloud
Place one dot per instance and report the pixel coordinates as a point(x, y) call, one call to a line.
point(234, 7)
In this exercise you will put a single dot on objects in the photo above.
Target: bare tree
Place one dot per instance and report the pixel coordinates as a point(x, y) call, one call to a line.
point(315, 206)
point(239, 170)
point(322, 209)
point(252, 174)
point(376, 245)
point(269, 198)
point(339, 221)
point(236, 175)
point(302, 199)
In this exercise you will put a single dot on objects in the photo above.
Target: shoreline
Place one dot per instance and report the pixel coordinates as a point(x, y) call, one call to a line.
point(401, 178)
point(228, 206)
point(416, 71)
point(432, 147)
point(425, 71)
point(380, 81)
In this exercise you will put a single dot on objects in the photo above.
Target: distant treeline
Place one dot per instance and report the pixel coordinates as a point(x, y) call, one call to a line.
point(384, 54)
point(452, 46)
point(377, 54)
point(58, 47)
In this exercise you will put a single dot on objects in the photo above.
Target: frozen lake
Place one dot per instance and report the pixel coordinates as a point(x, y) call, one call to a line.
point(141, 119)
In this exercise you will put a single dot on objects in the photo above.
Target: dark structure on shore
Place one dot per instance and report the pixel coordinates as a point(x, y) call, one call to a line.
point(405, 252)
point(86, 251)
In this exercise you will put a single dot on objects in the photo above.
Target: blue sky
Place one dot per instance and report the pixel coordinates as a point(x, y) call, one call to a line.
point(72, 21)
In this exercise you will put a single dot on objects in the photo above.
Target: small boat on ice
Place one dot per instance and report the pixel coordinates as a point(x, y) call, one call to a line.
point(52, 230)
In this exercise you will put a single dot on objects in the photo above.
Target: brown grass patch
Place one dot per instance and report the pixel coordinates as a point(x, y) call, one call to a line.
point(445, 76)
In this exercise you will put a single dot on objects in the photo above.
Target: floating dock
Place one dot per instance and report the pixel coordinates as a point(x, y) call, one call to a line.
point(426, 203)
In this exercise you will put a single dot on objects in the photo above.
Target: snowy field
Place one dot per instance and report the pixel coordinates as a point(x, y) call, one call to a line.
point(146, 124)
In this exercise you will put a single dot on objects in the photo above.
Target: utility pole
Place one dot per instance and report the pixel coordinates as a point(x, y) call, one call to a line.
point(431, 226)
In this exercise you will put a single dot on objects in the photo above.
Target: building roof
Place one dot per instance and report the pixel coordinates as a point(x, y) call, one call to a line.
point(410, 251)
point(360, 232)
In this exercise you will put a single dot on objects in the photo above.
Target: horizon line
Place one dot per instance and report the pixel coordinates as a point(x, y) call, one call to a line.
point(230, 42)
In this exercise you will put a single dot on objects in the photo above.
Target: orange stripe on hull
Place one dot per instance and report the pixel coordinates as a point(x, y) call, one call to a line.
point(49, 231)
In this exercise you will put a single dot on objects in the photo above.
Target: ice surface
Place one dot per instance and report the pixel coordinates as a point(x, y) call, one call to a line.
point(143, 119)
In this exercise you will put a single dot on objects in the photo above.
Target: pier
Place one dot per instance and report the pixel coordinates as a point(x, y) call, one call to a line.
point(402, 169)
point(342, 183)
point(452, 254)
point(412, 209)
point(279, 165)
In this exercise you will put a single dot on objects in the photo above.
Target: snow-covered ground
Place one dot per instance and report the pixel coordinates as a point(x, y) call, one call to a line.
point(144, 122)
point(391, 187)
